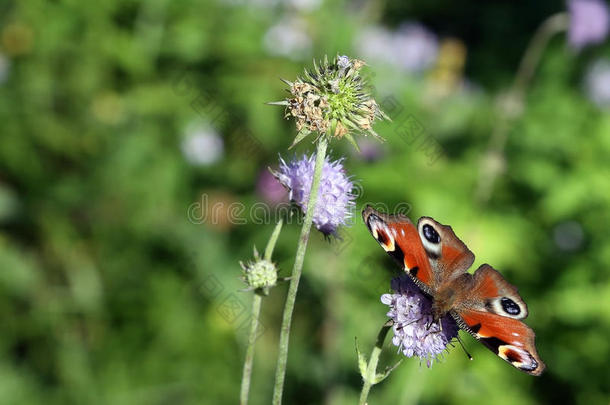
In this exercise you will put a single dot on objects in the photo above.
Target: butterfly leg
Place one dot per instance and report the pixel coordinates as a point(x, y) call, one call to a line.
point(399, 327)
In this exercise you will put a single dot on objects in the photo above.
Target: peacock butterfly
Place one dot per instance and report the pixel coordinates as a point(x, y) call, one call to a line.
point(484, 304)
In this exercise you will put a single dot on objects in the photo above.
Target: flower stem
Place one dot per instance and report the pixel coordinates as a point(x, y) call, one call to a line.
point(256, 310)
point(371, 369)
point(272, 240)
point(515, 103)
point(247, 373)
point(280, 371)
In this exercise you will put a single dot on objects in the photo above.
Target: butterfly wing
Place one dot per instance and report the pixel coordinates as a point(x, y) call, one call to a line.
point(484, 303)
point(449, 257)
point(399, 237)
point(429, 252)
point(509, 338)
point(492, 313)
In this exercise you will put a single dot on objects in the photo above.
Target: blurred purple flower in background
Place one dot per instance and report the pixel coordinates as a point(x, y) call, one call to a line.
point(298, 5)
point(335, 198)
point(412, 47)
point(305, 5)
point(416, 47)
point(202, 146)
point(370, 150)
point(375, 44)
point(288, 38)
point(270, 189)
point(411, 312)
point(589, 22)
point(597, 83)
point(568, 236)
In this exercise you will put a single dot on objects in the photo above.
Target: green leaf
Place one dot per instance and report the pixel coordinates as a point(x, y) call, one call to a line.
point(300, 136)
point(362, 364)
point(351, 139)
point(382, 376)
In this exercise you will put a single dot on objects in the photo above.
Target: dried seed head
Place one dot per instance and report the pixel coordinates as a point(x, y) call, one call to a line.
point(332, 100)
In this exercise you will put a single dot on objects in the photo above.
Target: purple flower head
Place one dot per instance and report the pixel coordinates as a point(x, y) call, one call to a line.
point(589, 22)
point(414, 332)
point(335, 198)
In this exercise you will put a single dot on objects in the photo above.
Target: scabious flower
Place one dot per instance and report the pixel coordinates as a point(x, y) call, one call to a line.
point(288, 38)
point(332, 100)
point(370, 151)
point(414, 332)
point(202, 146)
point(411, 48)
point(568, 236)
point(589, 22)
point(597, 83)
point(335, 198)
point(270, 189)
point(305, 5)
point(416, 47)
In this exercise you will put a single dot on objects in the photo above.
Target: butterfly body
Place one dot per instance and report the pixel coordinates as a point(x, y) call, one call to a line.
point(483, 303)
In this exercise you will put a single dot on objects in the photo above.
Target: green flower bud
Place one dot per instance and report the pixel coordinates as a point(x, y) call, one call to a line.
point(260, 274)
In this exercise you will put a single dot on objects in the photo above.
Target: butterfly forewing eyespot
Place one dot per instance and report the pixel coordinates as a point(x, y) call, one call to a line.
point(430, 238)
point(430, 234)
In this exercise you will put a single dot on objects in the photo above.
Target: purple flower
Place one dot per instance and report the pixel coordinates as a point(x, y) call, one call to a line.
point(202, 146)
point(597, 83)
point(370, 151)
point(288, 38)
point(589, 22)
point(416, 48)
point(268, 187)
point(335, 198)
point(414, 332)
point(412, 47)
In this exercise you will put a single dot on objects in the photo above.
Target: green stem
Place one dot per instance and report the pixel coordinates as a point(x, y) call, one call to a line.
point(272, 240)
point(247, 373)
point(548, 29)
point(514, 103)
point(256, 310)
point(371, 369)
point(280, 371)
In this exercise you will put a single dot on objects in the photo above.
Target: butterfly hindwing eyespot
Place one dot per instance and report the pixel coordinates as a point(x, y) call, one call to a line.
point(509, 306)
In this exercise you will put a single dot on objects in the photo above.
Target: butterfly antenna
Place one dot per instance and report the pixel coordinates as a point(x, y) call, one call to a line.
point(463, 348)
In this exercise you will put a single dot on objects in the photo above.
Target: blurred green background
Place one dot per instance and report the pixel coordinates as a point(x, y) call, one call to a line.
point(133, 130)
